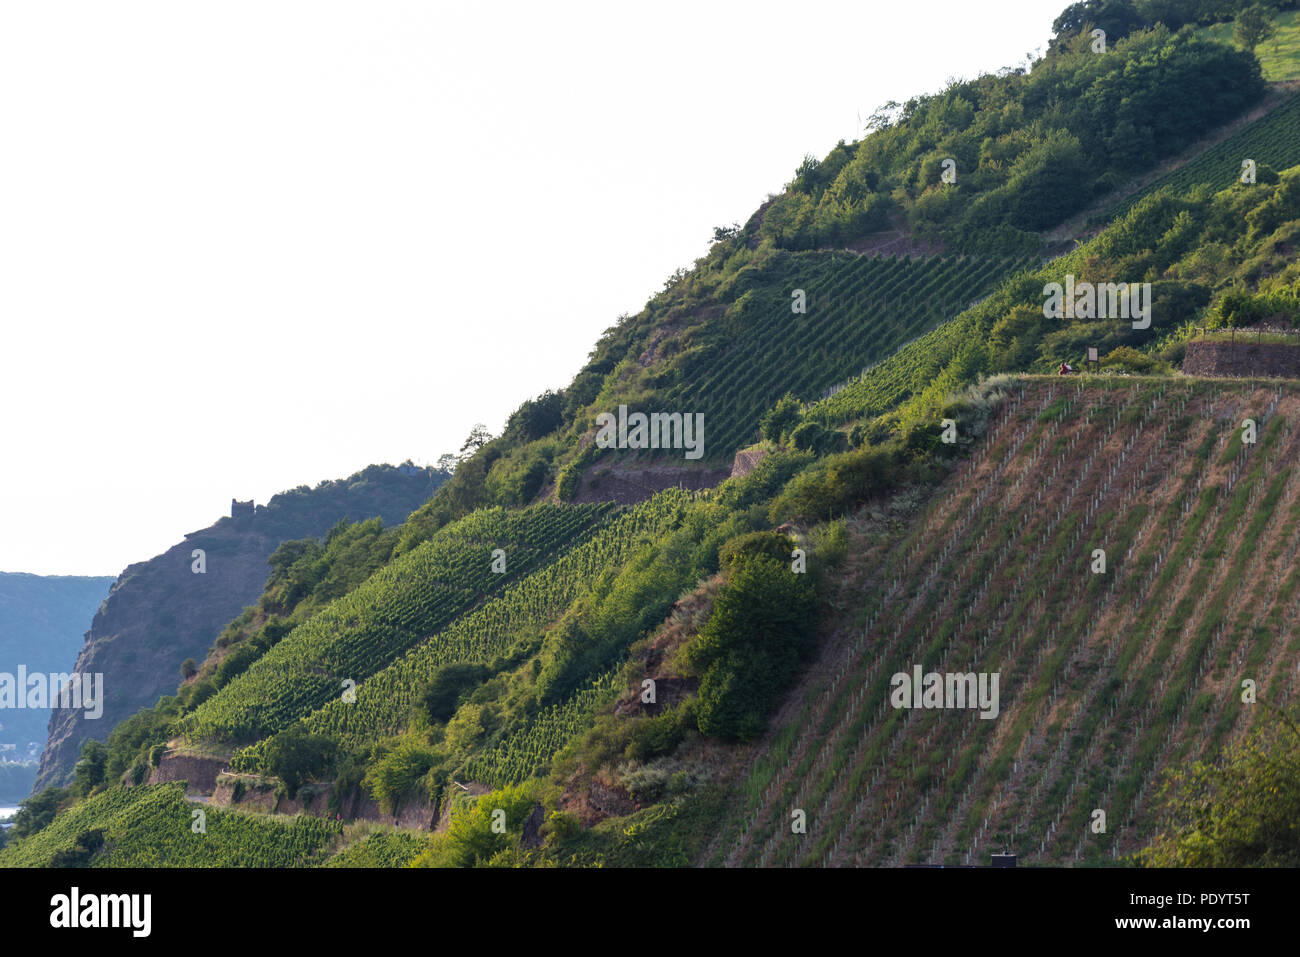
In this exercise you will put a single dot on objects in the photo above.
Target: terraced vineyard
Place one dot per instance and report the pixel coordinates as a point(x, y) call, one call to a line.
point(1106, 679)
point(152, 826)
point(859, 310)
point(386, 848)
point(404, 603)
point(891, 381)
point(1273, 140)
point(523, 753)
point(524, 607)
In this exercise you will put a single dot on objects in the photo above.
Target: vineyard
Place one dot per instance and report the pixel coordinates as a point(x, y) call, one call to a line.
point(527, 751)
point(860, 309)
point(892, 381)
point(402, 604)
point(527, 606)
point(385, 848)
point(1272, 140)
point(1106, 678)
point(153, 827)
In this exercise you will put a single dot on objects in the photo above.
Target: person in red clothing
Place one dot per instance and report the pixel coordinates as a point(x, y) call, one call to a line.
point(1066, 369)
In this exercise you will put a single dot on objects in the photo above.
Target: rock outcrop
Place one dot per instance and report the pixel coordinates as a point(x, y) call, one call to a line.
point(160, 612)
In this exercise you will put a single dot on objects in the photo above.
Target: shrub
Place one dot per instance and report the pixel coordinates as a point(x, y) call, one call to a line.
point(295, 757)
point(781, 419)
point(442, 695)
point(814, 437)
point(1128, 358)
point(749, 650)
point(396, 772)
point(745, 547)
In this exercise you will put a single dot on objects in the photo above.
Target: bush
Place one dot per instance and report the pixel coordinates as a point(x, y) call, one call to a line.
point(470, 838)
point(814, 437)
point(1128, 358)
point(837, 484)
point(398, 769)
point(761, 630)
point(781, 419)
point(755, 544)
point(442, 695)
point(295, 757)
point(38, 811)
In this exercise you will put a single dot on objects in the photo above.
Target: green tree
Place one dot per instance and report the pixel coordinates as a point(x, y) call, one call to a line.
point(478, 833)
point(781, 419)
point(295, 756)
point(38, 811)
point(1243, 811)
point(478, 437)
point(1253, 26)
point(89, 772)
point(749, 650)
point(442, 695)
point(398, 769)
point(189, 668)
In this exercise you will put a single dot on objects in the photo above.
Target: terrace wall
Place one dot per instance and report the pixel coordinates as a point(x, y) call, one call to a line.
point(1243, 359)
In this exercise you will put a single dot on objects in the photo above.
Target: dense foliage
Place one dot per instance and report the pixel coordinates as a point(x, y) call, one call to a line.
point(1030, 149)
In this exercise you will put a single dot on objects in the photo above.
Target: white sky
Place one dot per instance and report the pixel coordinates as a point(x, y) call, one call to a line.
point(246, 246)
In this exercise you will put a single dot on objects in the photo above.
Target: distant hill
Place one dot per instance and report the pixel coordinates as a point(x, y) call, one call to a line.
point(160, 612)
point(42, 621)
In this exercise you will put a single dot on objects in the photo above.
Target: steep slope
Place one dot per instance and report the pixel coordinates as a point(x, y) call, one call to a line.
point(1108, 674)
point(404, 603)
point(621, 694)
point(161, 612)
point(1273, 141)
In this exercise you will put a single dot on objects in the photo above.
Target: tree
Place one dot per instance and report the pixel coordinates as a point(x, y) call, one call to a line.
point(749, 650)
point(38, 811)
point(89, 772)
point(447, 463)
point(781, 418)
point(537, 417)
point(885, 116)
point(294, 756)
point(479, 436)
point(189, 668)
point(1252, 27)
point(1241, 812)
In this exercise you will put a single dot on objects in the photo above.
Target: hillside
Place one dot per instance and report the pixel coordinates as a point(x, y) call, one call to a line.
point(160, 612)
point(715, 667)
point(1107, 678)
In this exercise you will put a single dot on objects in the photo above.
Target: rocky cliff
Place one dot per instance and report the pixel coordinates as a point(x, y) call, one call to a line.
point(164, 610)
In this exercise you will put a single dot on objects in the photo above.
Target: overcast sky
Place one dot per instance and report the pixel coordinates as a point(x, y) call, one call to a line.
point(246, 246)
